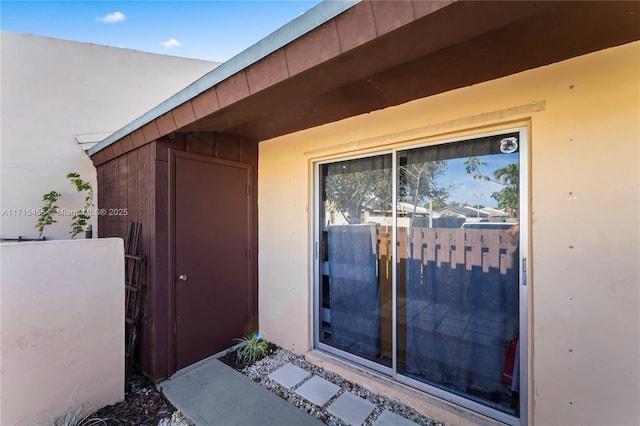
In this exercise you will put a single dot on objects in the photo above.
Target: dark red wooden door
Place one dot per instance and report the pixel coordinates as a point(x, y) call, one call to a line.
point(212, 257)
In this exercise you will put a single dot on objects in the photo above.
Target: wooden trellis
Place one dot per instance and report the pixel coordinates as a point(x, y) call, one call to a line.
point(134, 267)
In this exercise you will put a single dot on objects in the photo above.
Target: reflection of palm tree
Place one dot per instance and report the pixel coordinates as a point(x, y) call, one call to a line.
point(509, 197)
point(508, 176)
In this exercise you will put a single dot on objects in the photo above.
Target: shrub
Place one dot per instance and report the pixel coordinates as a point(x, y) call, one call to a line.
point(76, 416)
point(48, 210)
point(81, 218)
point(251, 348)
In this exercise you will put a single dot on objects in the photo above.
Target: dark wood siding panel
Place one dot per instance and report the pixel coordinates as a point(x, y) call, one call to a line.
point(104, 198)
point(212, 144)
point(143, 177)
point(162, 146)
point(123, 180)
point(117, 194)
point(162, 282)
point(110, 199)
point(228, 147)
point(103, 195)
point(248, 153)
point(101, 175)
point(112, 226)
point(132, 187)
point(142, 194)
point(201, 144)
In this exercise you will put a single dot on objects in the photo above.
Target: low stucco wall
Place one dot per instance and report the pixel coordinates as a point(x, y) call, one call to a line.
point(584, 222)
point(62, 327)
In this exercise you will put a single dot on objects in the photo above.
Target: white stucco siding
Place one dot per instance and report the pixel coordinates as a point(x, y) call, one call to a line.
point(54, 89)
point(584, 156)
point(286, 222)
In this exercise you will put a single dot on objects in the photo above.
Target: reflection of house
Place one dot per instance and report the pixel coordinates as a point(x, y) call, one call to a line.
point(497, 213)
point(409, 210)
point(472, 214)
point(378, 78)
point(370, 214)
point(409, 214)
point(463, 212)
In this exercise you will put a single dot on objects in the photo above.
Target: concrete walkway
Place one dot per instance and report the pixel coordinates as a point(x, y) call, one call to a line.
point(212, 393)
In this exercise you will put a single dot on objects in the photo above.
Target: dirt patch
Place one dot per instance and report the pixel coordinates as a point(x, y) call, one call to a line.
point(144, 405)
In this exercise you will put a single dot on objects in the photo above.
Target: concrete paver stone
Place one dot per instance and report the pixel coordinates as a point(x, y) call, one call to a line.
point(387, 418)
point(289, 375)
point(351, 408)
point(317, 390)
point(212, 393)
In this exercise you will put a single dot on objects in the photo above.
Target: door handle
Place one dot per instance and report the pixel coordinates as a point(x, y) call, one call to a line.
point(183, 277)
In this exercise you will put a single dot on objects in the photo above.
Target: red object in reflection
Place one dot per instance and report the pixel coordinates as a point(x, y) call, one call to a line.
point(507, 373)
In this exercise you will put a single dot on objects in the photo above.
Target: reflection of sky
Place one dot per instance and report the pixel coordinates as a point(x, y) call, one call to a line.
point(469, 191)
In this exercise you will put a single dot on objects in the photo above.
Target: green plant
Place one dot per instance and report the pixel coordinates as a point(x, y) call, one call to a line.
point(81, 218)
point(251, 348)
point(48, 210)
point(76, 416)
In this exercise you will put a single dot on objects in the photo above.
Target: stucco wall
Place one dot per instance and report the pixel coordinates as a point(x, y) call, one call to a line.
point(54, 89)
point(584, 154)
point(62, 327)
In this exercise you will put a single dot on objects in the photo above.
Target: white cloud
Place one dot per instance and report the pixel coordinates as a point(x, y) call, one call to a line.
point(112, 18)
point(172, 42)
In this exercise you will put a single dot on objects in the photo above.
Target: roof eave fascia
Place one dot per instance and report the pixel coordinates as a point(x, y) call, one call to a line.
point(295, 29)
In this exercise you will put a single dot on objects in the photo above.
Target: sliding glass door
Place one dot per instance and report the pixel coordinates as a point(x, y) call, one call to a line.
point(355, 304)
point(419, 271)
point(458, 282)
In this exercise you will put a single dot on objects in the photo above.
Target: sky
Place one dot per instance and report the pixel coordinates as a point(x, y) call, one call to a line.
point(465, 189)
point(213, 30)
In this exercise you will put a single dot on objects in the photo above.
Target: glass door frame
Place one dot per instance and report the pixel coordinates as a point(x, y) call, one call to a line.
point(317, 270)
point(523, 270)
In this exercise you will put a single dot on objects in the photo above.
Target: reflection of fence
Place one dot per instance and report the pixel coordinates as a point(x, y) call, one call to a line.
point(486, 248)
point(458, 265)
point(463, 275)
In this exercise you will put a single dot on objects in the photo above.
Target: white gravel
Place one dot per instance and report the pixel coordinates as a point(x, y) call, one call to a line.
point(259, 371)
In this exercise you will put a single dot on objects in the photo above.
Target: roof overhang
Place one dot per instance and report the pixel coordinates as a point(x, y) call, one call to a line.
point(378, 54)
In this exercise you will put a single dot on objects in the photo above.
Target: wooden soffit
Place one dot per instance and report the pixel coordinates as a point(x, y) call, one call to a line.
point(383, 53)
